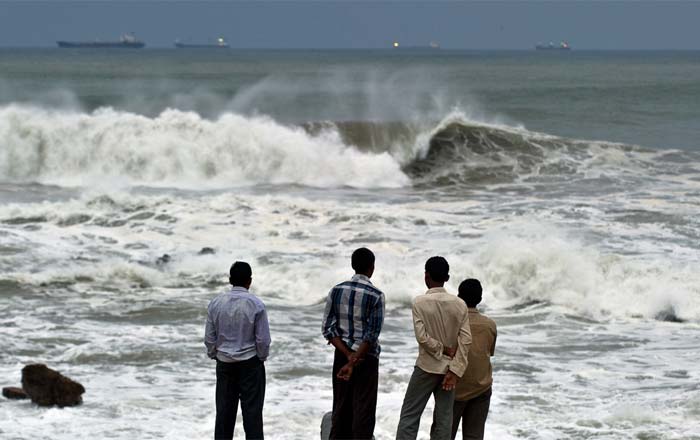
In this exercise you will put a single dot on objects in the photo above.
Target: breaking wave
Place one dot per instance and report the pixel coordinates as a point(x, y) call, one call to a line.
point(182, 149)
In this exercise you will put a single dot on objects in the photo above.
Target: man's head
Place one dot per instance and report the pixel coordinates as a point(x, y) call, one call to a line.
point(363, 261)
point(470, 292)
point(437, 272)
point(240, 274)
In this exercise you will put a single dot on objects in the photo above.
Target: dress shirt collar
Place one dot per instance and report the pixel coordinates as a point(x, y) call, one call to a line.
point(473, 310)
point(361, 277)
point(238, 289)
point(436, 290)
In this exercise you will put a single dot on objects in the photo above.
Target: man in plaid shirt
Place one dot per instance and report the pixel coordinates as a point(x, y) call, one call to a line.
point(352, 322)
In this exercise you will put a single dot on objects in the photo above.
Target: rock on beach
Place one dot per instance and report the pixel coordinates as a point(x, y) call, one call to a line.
point(14, 393)
point(47, 387)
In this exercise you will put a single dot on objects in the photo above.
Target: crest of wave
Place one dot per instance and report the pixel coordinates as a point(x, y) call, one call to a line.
point(180, 149)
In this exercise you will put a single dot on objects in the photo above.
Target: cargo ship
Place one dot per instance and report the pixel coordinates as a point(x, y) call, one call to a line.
point(127, 41)
point(551, 46)
point(219, 44)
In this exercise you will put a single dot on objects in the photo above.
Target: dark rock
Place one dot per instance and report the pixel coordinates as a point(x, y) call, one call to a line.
point(47, 387)
point(326, 423)
point(207, 251)
point(14, 393)
point(164, 259)
point(668, 315)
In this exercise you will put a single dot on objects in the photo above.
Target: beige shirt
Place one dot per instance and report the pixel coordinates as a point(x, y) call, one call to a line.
point(478, 376)
point(441, 320)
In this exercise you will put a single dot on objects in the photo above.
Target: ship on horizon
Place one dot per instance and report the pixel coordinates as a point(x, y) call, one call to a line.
point(220, 43)
point(551, 46)
point(126, 41)
point(431, 46)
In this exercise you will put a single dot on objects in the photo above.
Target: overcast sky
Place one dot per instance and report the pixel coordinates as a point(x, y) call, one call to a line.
point(346, 24)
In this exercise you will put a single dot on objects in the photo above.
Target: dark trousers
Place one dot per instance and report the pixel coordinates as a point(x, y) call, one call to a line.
point(355, 401)
point(473, 413)
point(421, 386)
point(244, 381)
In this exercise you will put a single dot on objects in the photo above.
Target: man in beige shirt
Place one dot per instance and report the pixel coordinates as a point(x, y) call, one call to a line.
point(441, 324)
point(473, 394)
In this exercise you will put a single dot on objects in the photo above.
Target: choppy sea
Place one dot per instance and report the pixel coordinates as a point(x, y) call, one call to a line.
point(568, 183)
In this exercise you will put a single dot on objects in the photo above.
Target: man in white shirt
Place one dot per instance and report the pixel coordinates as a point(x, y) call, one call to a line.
point(237, 335)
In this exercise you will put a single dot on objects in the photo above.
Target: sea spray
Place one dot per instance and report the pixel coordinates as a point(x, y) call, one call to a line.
point(179, 149)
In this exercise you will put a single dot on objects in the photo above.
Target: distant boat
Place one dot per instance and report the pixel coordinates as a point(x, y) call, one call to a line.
point(219, 44)
point(127, 41)
point(431, 46)
point(551, 46)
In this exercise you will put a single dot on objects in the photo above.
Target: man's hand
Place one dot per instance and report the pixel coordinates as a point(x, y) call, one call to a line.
point(449, 383)
point(449, 351)
point(345, 372)
point(340, 345)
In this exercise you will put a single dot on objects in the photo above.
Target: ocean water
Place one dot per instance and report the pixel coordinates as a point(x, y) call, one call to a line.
point(569, 184)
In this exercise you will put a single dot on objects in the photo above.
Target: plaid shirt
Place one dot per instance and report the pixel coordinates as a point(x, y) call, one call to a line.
point(355, 313)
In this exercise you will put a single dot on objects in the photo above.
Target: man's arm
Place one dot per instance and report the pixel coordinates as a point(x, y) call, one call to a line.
point(329, 327)
point(262, 335)
point(430, 344)
point(464, 340)
point(458, 365)
point(495, 335)
point(210, 336)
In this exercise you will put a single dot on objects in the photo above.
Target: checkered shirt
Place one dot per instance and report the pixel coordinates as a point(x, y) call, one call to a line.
point(355, 313)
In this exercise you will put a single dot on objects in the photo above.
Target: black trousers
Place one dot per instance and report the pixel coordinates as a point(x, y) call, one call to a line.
point(244, 381)
point(355, 401)
point(473, 413)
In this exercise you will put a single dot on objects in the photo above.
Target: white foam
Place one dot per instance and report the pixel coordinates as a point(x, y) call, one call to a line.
point(179, 149)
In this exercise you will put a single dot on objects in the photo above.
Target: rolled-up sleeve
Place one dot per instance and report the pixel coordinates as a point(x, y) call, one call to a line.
point(262, 335)
point(329, 328)
point(431, 345)
point(210, 334)
point(375, 320)
point(464, 340)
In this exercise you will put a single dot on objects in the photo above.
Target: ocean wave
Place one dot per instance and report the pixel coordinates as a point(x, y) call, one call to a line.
point(180, 149)
point(183, 149)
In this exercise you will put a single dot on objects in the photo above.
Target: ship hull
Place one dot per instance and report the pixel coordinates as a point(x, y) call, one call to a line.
point(101, 45)
point(551, 48)
point(201, 46)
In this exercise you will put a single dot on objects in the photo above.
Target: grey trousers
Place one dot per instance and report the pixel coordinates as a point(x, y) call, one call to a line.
point(473, 413)
point(421, 386)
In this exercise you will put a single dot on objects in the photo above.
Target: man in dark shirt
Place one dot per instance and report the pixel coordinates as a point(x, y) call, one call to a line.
point(473, 393)
point(237, 335)
point(352, 322)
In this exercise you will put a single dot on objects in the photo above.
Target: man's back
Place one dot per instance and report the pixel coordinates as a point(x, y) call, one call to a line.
point(237, 326)
point(478, 376)
point(438, 317)
point(355, 313)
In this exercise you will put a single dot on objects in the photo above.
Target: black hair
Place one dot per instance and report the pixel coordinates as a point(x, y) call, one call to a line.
point(470, 292)
point(362, 260)
point(240, 274)
point(438, 269)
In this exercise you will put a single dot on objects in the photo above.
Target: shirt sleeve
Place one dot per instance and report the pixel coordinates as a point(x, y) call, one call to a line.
point(210, 335)
point(431, 345)
point(464, 340)
point(329, 328)
point(262, 335)
point(375, 320)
